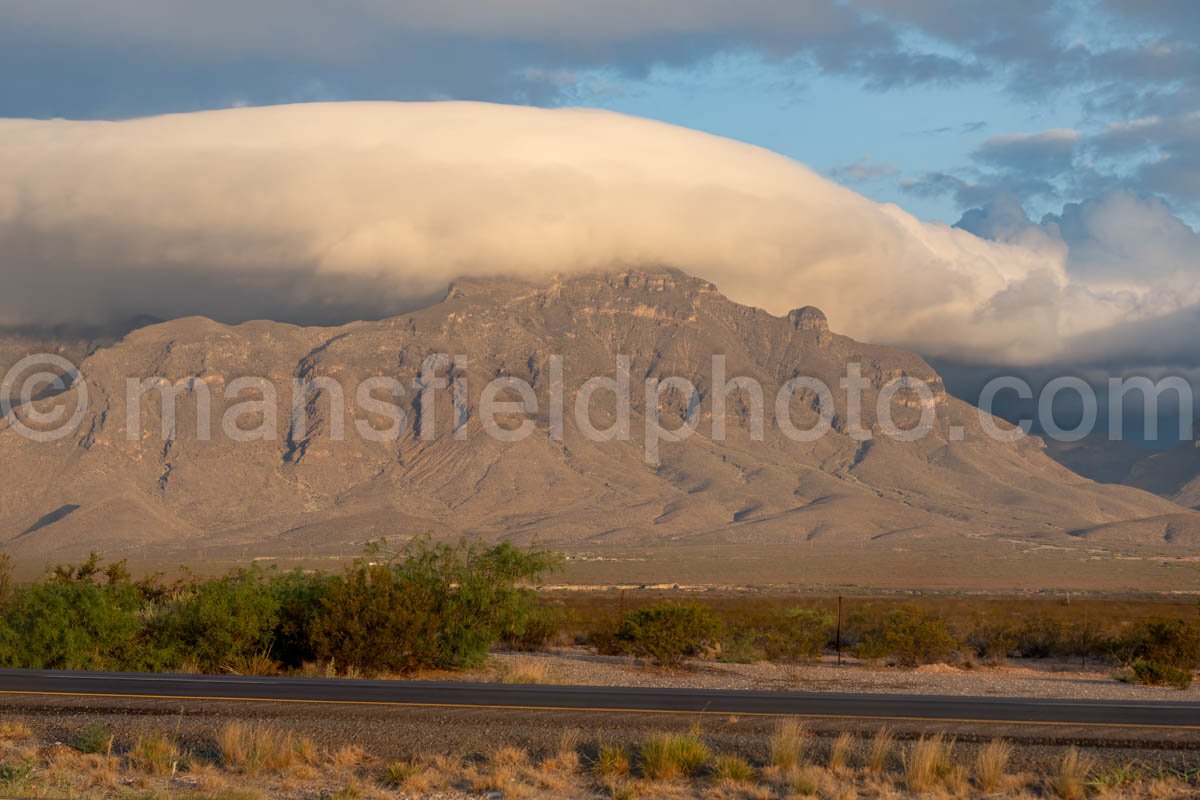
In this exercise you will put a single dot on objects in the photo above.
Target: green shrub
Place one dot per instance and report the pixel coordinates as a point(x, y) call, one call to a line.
point(1171, 642)
point(1041, 637)
point(430, 606)
point(907, 635)
point(667, 633)
point(533, 626)
point(803, 636)
point(93, 738)
point(1156, 673)
point(299, 595)
point(16, 773)
point(602, 637)
point(81, 617)
point(994, 640)
point(219, 623)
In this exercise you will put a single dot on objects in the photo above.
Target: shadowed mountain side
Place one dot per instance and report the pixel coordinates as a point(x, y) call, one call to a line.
point(304, 493)
point(1174, 474)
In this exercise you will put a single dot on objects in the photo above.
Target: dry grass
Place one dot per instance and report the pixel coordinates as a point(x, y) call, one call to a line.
point(526, 669)
point(398, 773)
point(839, 753)
point(991, 765)
point(669, 756)
point(257, 664)
point(880, 753)
point(787, 744)
point(154, 754)
point(1069, 781)
point(612, 761)
point(346, 757)
point(928, 763)
point(253, 748)
point(728, 768)
point(260, 762)
point(807, 781)
point(11, 729)
point(414, 777)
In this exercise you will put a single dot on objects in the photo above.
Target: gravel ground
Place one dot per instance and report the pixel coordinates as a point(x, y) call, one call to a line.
point(1042, 678)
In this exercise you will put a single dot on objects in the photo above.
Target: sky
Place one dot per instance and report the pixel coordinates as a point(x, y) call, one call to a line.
point(939, 106)
point(1063, 135)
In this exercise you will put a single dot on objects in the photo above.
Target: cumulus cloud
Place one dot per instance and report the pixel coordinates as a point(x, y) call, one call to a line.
point(328, 211)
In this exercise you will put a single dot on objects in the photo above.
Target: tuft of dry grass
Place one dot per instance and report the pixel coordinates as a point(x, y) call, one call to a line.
point(668, 756)
point(881, 750)
point(839, 753)
point(565, 758)
point(416, 778)
point(351, 791)
point(1069, 781)
point(526, 669)
point(509, 757)
point(345, 757)
point(12, 729)
point(256, 664)
point(500, 778)
point(399, 773)
point(787, 744)
point(991, 765)
point(154, 754)
point(729, 768)
point(206, 777)
point(254, 748)
point(928, 763)
point(624, 791)
point(807, 781)
point(612, 761)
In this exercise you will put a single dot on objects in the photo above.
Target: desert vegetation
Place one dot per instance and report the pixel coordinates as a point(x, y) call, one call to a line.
point(249, 760)
point(439, 606)
point(427, 606)
point(1151, 642)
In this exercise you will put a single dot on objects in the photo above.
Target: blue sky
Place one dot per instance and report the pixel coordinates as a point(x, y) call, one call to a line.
point(832, 123)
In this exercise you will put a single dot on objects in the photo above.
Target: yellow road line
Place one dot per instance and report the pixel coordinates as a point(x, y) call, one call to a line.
point(486, 707)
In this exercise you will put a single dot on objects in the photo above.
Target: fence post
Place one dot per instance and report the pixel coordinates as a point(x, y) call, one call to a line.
point(839, 631)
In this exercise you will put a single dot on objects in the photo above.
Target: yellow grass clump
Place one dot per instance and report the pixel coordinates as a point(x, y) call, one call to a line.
point(787, 744)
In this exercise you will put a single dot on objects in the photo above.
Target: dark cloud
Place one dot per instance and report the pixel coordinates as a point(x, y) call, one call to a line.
point(971, 187)
point(1002, 219)
point(79, 58)
point(862, 170)
point(1044, 155)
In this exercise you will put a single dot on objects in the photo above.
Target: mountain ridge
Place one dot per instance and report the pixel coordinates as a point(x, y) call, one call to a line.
point(306, 494)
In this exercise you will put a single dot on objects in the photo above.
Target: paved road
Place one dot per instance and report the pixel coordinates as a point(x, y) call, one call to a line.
point(579, 699)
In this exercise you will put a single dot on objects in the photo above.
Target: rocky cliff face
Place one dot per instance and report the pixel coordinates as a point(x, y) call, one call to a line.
point(119, 485)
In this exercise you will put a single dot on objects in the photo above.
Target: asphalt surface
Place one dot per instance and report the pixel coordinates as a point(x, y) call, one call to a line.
point(582, 699)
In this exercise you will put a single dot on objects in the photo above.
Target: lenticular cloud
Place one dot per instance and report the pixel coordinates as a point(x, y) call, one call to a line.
point(324, 212)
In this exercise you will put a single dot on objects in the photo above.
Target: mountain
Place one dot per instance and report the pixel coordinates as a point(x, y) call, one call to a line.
point(956, 507)
point(1174, 474)
point(1097, 457)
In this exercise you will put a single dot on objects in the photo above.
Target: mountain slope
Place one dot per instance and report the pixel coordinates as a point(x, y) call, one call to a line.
point(303, 493)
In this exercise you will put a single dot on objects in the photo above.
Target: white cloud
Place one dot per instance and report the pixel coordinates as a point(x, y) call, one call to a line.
point(321, 210)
